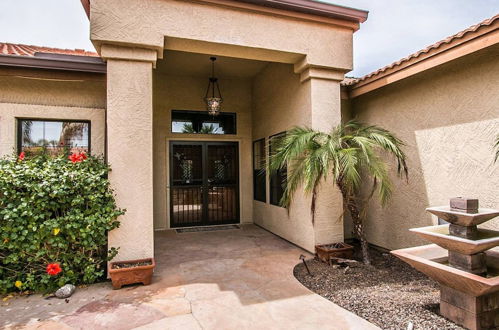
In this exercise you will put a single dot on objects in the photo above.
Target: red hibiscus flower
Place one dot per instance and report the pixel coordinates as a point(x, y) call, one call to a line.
point(74, 158)
point(77, 157)
point(22, 155)
point(53, 269)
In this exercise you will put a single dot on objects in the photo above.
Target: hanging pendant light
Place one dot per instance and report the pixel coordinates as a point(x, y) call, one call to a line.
point(213, 101)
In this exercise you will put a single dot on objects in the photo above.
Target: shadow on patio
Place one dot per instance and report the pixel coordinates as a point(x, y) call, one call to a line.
point(252, 263)
point(229, 279)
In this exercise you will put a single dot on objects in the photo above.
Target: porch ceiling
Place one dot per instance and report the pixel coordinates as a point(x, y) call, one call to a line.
point(199, 65)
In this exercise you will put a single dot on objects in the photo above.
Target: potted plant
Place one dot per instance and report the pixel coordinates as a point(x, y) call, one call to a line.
point(131, 272)
point(335, 250)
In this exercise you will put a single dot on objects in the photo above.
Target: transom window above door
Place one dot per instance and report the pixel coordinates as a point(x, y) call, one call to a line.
point(54, 137)
point(200, 122)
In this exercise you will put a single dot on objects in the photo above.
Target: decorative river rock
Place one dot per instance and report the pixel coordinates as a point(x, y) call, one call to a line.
point(65, 292)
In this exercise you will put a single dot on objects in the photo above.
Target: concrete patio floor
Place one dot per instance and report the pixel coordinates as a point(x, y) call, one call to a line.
point(230, 279)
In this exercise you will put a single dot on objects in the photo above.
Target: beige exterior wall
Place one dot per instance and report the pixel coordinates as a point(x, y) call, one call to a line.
point(218, 29)
point(449, 118)
point(281, 101)
point(51, 95)
point(54, 88)
point(130, 153)
point(326, 114)
point(187, 93)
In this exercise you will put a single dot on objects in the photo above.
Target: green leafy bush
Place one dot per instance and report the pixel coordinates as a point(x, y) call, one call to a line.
point(54, 211)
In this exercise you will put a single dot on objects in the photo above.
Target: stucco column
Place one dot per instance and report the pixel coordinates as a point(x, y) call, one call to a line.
point(130, 147)
point(325, 107)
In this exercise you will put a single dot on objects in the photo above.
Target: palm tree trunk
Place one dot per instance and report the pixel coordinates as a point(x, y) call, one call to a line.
point(358, 227)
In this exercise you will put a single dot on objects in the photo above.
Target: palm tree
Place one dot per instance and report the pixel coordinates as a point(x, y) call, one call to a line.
point(350, 154)
point(27, 127)
point(70, 131)
point(188, 128)
point(205, 129)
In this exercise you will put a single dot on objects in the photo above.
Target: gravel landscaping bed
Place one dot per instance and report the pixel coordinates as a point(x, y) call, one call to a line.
point(389, 294)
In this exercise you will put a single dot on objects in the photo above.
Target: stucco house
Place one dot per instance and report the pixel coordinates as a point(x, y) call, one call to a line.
point(140, 101)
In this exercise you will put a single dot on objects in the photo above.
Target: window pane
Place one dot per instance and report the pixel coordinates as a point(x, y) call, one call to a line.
point(200, 122)
point(52, 132)
point(259, 173)
point(259, 154)
point(212, 128)
point(181, 126)
point(31, 132)
point(278, 179)
point(74, 134)
point(54, 137)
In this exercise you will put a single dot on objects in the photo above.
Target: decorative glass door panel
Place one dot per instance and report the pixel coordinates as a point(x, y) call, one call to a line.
point(186, 184)
point(221, 168)
point(204, 183)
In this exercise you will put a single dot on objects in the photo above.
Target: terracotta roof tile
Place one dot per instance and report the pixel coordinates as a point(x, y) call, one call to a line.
point(30, 50)
point(348, 81)
point(449, 40)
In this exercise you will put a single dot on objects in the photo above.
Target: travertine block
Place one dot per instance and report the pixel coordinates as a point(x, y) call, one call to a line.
point(475, 313)
point(469, 232)
point(475, 263)
point(462, 203)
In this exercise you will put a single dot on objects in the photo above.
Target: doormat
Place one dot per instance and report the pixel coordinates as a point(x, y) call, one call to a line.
point(212, 228)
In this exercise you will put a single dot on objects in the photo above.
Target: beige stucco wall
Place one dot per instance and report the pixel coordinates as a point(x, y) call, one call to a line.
point(221, 30)
point(51, 95)
point(187, 93)
point(130, 153)
point(71, 89)
point(281, 101)
point(449, 118)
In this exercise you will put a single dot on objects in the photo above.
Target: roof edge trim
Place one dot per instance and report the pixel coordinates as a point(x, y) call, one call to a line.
point(477, 37)
point(302, 6)
point(86, 7)
point(65, 64)
point(315, 8)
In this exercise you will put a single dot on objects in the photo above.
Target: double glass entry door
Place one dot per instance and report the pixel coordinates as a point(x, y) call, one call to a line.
point(204, 183)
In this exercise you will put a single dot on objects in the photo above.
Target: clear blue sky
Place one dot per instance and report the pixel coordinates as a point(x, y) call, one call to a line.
point(394, 29)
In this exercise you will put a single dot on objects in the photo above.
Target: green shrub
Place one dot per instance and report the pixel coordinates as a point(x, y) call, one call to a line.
point(54, 210)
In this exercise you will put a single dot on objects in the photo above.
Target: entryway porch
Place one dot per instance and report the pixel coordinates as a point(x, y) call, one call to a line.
point(172, 175)
point(207, 170)
point(280, 66)
point(227, 279)
point(239, 279)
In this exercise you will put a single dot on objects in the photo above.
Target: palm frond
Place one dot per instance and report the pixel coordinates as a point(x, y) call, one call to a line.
point(377, 169)
point(290, 146)
point(295, 178)
point(344, 153)
point(349, 167)
point(388, 142)
point(306, 155)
